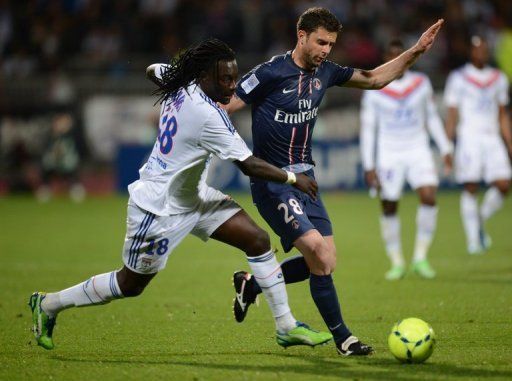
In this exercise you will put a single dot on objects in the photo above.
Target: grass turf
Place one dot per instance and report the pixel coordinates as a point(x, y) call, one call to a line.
point(181, 328)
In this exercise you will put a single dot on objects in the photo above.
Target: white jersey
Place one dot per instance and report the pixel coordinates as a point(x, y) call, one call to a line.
point(393, 119)
point(477, 93)
point(192, 128)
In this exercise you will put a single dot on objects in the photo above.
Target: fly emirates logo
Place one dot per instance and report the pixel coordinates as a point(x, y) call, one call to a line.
point(306, 113)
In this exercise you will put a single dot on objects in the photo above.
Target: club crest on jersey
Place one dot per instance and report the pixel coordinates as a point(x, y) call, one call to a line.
point(317, 84)
point(145, 263)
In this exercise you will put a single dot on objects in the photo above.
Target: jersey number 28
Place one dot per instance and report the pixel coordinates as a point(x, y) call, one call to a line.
point(295, 206)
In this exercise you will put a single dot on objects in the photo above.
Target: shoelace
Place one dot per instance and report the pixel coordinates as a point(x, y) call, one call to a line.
point(301, 324)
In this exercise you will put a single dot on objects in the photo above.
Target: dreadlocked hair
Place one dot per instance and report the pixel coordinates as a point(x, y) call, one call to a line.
point(188, 66)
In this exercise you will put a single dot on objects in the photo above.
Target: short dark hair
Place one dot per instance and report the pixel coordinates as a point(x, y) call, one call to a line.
point(188, 66)
point(314, 18)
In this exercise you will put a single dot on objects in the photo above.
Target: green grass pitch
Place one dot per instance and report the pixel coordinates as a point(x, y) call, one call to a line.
point(182, 328)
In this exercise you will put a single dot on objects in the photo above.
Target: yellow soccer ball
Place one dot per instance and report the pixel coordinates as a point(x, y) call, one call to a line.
point(411, 340)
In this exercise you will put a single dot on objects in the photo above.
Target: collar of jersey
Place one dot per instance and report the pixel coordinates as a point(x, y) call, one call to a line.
point(290, 58)
point(195, 87)
point(473, 69)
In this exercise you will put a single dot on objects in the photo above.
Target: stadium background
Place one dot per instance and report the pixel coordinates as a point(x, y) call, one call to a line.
point(86, 59)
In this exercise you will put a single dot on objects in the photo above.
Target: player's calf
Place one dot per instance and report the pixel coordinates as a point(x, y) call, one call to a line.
point(131, 283)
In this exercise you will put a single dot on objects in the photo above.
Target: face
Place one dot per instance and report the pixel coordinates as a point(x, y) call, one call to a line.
point(316, 46)
point(220, 86)
point(479, 53)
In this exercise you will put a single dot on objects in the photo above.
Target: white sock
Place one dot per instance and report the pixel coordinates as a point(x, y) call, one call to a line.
point(390, 230)
point(470, 220)
point(493, 201)
point(269, 276)
point(426, 221)
point(99, 289)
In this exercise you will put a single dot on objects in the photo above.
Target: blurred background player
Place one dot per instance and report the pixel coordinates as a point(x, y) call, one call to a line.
point(285, 94)
point(395, 149)
point(477, 96)
point(61, 159)
point(171, 199)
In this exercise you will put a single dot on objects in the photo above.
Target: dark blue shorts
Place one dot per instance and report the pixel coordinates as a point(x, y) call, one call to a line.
point(290, 212)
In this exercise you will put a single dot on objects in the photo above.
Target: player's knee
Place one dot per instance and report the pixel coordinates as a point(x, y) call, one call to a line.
point(324, 267)
point(324, 259)
point(332, 264)
point(471, 188)
point(129, 284)
point(428, 200)
point(389, 208)
point(259, 243)
point(332, 260)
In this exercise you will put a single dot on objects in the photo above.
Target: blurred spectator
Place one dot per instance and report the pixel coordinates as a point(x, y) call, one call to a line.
point(157, 8)
point(19, 64)
point(101, 34)
point(103, 44)
point(21, 145)
point(60, 160)
point(5, 25)
point(363, 51)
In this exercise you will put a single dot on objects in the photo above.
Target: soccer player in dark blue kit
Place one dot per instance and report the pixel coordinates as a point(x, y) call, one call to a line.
point(285, 94)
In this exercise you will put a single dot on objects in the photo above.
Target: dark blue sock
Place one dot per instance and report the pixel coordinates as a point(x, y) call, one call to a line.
point(294, 270)
point(326, 300)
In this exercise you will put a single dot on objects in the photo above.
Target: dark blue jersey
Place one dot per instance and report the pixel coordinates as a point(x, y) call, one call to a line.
point(285, 100)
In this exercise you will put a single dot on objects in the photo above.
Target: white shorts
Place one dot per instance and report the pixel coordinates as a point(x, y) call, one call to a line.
point(482, 157)
point(414, 166)
point(150, 239)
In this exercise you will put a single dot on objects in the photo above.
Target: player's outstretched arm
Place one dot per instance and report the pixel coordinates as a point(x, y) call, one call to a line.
point(255, 167)
point(384, 74)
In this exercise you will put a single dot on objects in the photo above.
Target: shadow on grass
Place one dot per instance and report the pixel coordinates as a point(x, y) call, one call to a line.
point(355, 368)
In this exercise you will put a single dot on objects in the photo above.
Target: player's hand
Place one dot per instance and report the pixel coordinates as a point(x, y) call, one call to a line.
point(448, 164)
point(371, 179)
point(233, 106)
point(427, 38)
point(307, 185)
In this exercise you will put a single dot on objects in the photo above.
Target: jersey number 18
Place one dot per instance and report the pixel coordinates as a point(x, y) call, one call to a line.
point(167, 133)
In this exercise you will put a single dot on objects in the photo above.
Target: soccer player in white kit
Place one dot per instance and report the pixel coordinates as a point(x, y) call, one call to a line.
point(395, 149)
point(477, 97)
point(171, 199)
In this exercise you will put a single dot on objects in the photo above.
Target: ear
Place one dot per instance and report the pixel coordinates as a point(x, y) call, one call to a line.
point(301, 37)
point(205, 77)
